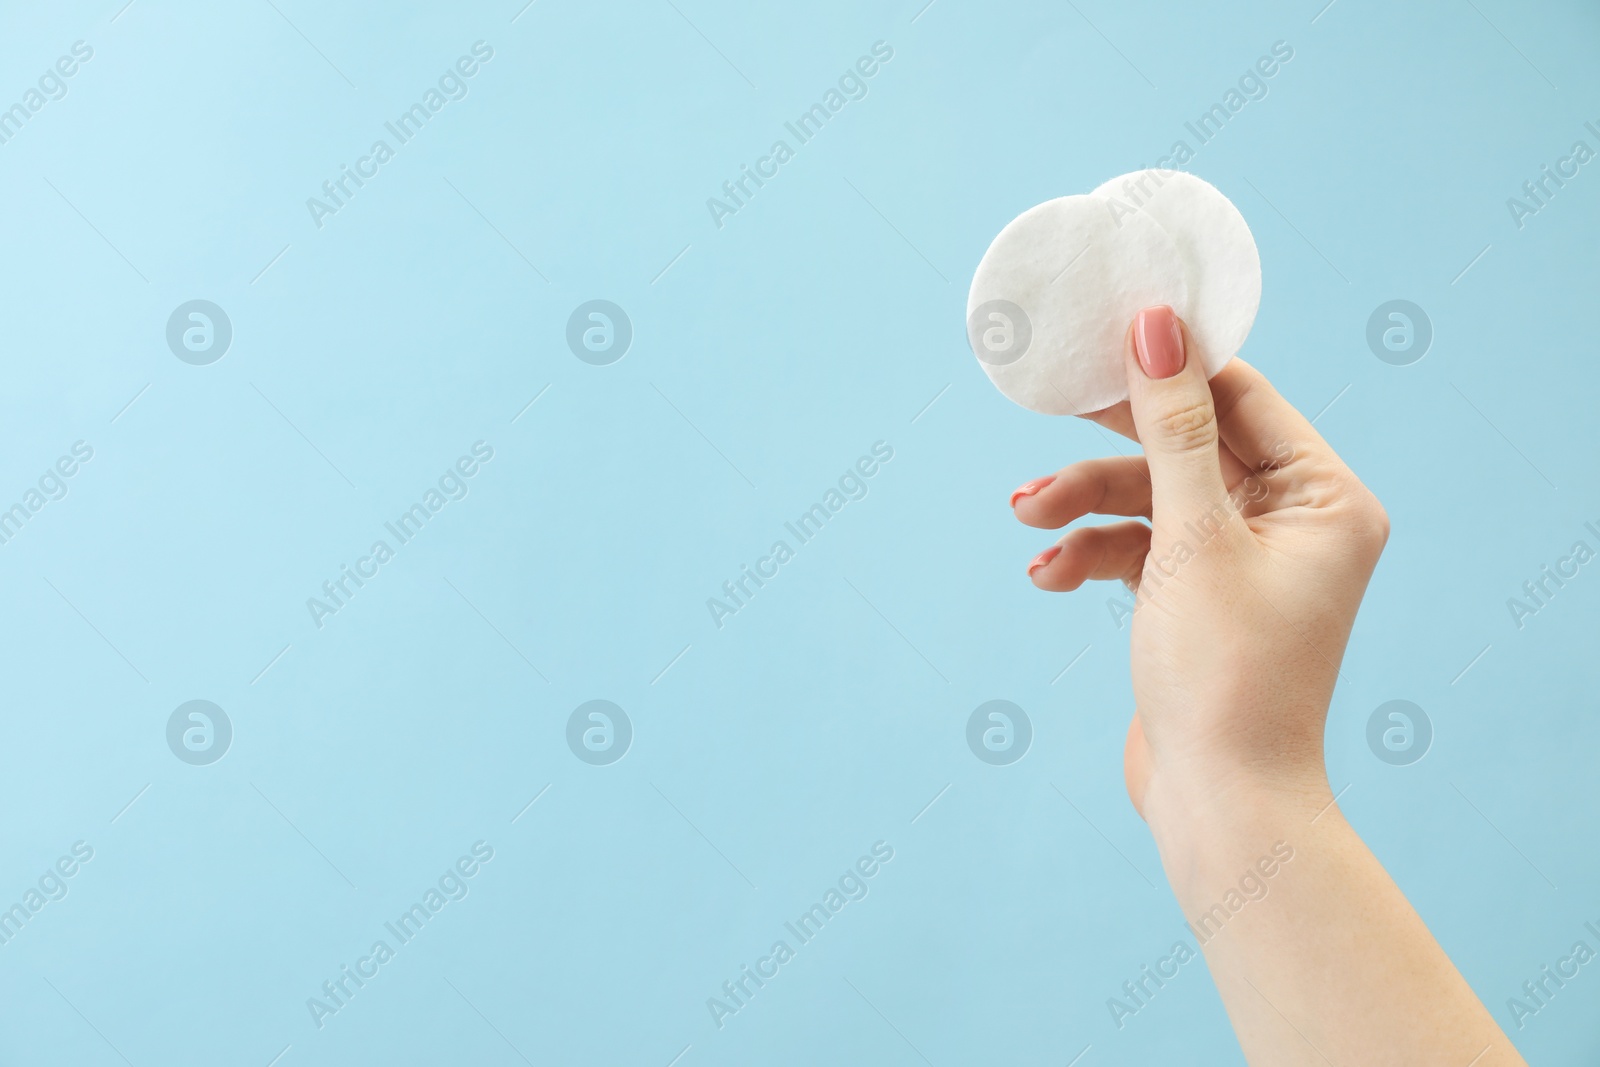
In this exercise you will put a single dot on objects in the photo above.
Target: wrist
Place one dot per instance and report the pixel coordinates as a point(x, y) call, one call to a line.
point(1210, 826)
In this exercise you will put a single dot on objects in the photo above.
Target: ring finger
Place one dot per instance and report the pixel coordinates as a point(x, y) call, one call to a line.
point(1092, 553)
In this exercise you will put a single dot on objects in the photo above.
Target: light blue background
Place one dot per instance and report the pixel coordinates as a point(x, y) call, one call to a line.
point(768, 355)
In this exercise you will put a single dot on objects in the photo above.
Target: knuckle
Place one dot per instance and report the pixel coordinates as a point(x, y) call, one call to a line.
point(1369, 521)
point(1377, 522)
point(1191, 427)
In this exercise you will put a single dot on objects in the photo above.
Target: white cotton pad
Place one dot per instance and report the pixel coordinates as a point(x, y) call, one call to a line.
point(1052, 299)
point(1053, 296)
point(1219, 255)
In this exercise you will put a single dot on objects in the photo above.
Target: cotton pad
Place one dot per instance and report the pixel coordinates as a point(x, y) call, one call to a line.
point(1052, 298)
point(1219, 255)
point(1054, 294)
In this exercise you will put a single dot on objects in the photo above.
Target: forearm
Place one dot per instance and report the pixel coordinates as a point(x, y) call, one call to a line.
point(1317, 954)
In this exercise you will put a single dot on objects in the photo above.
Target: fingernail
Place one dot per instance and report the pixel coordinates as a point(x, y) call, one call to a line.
point(1158, 341)
point(1030, 488)
point(1042, 558)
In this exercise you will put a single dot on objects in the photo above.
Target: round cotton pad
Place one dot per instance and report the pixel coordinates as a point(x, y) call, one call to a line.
point(1219, 255)
point(1053, 296)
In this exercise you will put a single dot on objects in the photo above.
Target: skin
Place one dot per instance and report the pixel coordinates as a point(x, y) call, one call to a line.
point(1247, 580)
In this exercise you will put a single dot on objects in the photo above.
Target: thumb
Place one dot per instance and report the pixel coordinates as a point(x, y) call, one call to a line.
point(1175, 417)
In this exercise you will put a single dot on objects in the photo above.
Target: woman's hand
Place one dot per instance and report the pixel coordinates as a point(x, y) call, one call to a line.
point(1246, 582)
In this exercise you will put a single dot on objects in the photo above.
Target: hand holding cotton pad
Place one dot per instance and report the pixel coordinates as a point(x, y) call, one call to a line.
point(1052, 298)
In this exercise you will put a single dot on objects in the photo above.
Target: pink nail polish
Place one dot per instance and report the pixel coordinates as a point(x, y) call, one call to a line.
point(1158, 341)
point(1030, 488)
point(1042, 558)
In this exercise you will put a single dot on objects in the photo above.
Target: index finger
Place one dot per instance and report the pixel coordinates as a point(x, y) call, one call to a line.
point(1258, 425)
